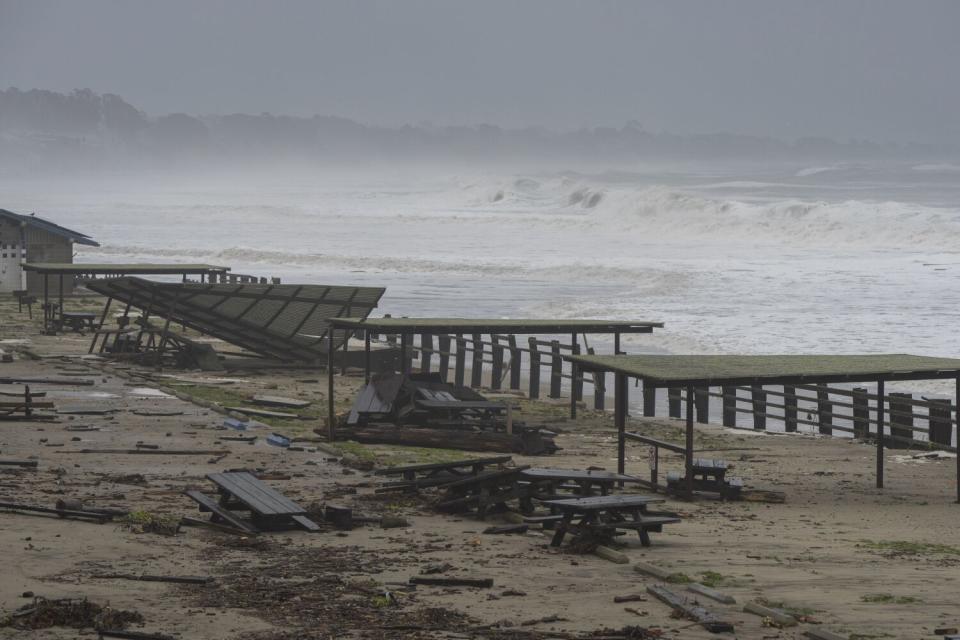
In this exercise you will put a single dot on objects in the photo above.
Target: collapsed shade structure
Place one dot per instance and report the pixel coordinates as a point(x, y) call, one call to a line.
point(692, 371)
point(284, 321)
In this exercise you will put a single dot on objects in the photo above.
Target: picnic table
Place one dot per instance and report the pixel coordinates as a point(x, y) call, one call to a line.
point(709, 475)
point(242, 491)
point(417, 476)
point(604, 515)
point(549, 484)
point(78, 320)
point(485, 491)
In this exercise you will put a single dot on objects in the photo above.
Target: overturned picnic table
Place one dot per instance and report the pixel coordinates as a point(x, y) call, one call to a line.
point(551, 484)
point(241, 490)
point(418, 476)
point(606, 514)
point(484, 491)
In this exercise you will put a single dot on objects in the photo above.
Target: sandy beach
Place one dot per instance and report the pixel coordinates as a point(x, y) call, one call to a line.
point(840, 554)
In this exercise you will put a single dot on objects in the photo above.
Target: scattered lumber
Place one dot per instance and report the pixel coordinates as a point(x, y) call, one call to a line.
point(279, 401)
point(42, 380)
point(690, 609)
point(133, 635)
point(26, 464)
point(507, 528)
point(529, 442)
point(263, 413)
point(823, 634)
point(216, 526)
point(156, 412)
point(762, 495)
point(652, 570)
point(611, 554)
point(100, 518)
point(165, 452)
point(713, 594)
point(151, 578)
point(480, 583)
point(84, 411)
point(633, 597)
point(776, 615)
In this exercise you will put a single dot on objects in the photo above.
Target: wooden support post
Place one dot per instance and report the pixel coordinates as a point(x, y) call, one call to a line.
point(515, 362)
point(426, 351)
point(649, 400)
point(534, 370)
point(688, 449)
point(729, 406)
point(673, 402)
point(702, 400)
point(620, 391)
point(556, 369)
point(58, 322)
point(496, 369)
point(956, 404)
point(476, 365)
point(616, 343)
point(404, 353)
point(574, 371)
point(759, 401)
point(103, 319)
point(576, 376)
point(861, 413)
point(460, 361)
point(881, 400)
point(901, 421)
point(790, 409)
point(331, 429)
point(939, 428)
point(824, 410)
point(46, 302)
point(599, 390)
point(366, 355)
point(443, 343)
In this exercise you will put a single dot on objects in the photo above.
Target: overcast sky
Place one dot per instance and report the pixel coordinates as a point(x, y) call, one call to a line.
point(865, 68)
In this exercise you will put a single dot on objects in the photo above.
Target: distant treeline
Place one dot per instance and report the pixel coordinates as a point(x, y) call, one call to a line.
point(49, 129)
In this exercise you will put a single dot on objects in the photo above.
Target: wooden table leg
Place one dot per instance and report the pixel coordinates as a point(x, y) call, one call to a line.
point(562, 527)
point(643, 533)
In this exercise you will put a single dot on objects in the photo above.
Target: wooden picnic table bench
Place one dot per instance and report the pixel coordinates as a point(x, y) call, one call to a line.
point(432, 474)
point(604, 515)
point(486, 490)
point(549, 484)
point(709, 475)
point(242, 491)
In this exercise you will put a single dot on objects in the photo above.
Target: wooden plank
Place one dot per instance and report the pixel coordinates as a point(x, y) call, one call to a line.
point(431, 466)
point(262, 499)
point(280, 401)
point(263, 413)
point(209, 504)
point(706, 618)
point(306, 523)
point(482, 583)
point(713, 594)
point(652, 570)
point(777, 616)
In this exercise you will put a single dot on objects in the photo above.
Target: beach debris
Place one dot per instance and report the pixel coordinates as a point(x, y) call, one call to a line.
point(25, 464)
point(217, 526)
point(247, 439)
point(339, 517)
point(165, 452)
point(84, 411)
point(154, 578)
point(146, 522)
point(690, 609)
point(237, 425)
point(433, 474)
point(776, 616)
point(69, 612)
point(43, 380)
point(763, 495)
point(479, 583)
point(823, 634)
point(713, 594)
point(264, 413)
point(278, 440)
point(393, 522)
point(507, 528)
point(133, 635)
point(156, 412)
point(611, 555)
point(532, 441)
point(279, 401)
point(633, 597)
point(27, 509)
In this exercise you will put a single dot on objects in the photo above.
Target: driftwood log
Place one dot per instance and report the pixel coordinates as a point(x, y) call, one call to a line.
point(529, 442)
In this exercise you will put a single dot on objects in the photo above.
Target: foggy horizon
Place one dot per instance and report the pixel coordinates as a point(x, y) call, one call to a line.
point(874, 71)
